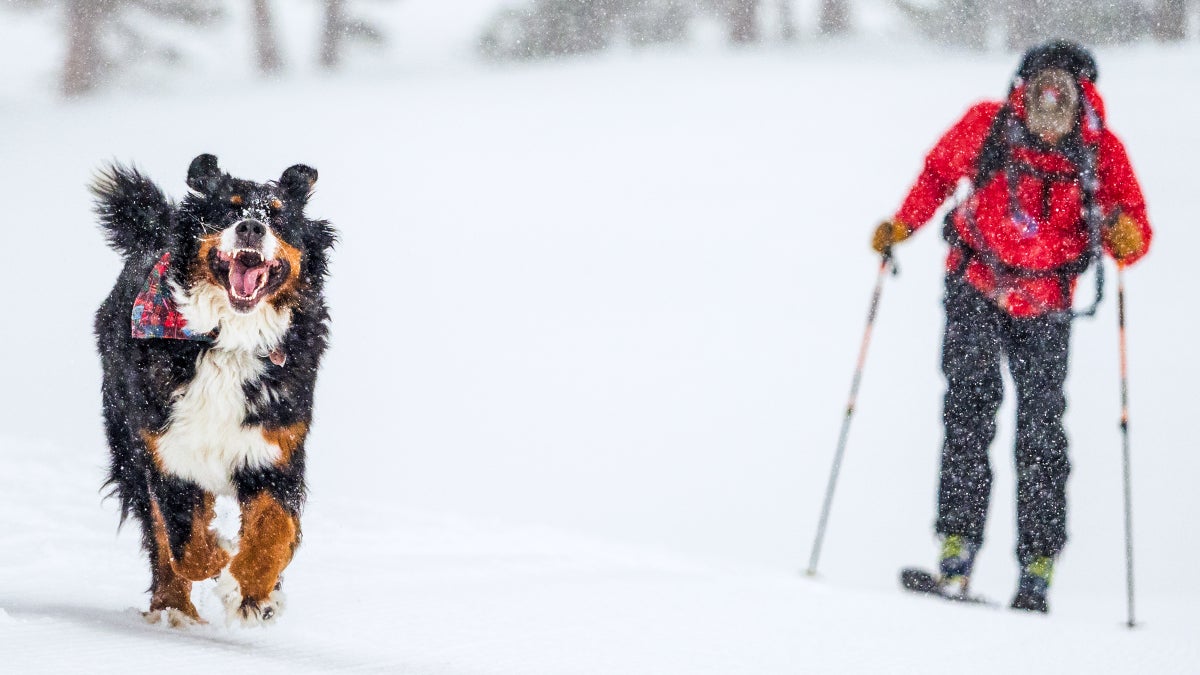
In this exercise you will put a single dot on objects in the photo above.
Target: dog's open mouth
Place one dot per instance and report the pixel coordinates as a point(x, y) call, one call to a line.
point(248, 278)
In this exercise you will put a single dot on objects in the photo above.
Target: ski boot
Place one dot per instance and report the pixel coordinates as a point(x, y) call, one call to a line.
point(1033, 585)
point(954, 572)
point(954, 566)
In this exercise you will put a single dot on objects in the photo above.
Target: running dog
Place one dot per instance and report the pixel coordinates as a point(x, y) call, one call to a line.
point(210, 343)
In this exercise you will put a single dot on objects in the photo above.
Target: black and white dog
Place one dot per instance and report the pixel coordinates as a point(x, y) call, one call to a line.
point(210, 343)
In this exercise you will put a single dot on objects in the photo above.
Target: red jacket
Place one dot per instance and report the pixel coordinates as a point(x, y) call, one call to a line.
point(1053, 231)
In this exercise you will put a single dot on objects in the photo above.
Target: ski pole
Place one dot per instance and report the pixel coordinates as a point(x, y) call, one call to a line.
point(884, 263)
point(1125, 442)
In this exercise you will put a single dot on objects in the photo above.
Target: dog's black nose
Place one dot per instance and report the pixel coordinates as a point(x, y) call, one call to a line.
point(250, 233)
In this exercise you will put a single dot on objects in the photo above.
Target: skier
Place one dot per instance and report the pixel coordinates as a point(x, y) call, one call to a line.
point(1019, 238)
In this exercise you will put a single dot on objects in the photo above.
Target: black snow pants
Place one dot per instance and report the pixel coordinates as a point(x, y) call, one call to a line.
point(977, 334)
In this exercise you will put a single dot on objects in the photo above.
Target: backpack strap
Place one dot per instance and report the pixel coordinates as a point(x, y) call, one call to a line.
point(1093, 215)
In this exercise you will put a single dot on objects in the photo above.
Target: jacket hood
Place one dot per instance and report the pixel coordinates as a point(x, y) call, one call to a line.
point(1069, 56)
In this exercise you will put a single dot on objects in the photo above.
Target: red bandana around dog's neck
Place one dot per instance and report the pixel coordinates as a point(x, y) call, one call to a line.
point(155, 314)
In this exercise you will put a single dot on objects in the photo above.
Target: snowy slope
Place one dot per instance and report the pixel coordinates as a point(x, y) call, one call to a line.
point(592, 336)
point(403, 592)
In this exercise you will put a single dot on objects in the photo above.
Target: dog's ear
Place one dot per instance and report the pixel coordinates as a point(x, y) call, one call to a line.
point(204, 175)
point(297, 182)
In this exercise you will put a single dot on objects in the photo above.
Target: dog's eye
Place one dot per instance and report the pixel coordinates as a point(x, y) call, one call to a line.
point(275, 204)
point(236, 200)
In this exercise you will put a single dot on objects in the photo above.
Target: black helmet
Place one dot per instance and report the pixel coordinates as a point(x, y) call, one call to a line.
point(1064, 54)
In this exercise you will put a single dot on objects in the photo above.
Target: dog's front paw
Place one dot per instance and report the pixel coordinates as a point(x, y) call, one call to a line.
point(248, 611)
point(262, 612)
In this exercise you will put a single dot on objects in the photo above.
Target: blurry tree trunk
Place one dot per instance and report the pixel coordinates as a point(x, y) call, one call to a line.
point(835, 17)
point(1022, 19)
point(787, 21)
point(971, 17)
point(743, 21)
point(264, 38)
point(333, 32)
point(1170, 20)
point(82, 70)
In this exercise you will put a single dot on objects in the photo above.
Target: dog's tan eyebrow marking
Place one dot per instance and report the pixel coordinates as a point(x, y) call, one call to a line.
point(275, 204)
point(236, 200)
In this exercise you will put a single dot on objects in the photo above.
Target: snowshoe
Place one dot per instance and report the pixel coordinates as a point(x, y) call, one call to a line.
point(923, 582)
point(954, 571)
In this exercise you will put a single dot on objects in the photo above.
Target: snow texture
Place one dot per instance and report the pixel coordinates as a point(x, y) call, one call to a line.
point(594, 323)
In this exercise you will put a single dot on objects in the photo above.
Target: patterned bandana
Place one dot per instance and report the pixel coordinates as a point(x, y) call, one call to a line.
point(154, 312)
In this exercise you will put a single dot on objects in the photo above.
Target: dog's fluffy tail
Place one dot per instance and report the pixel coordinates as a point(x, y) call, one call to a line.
point(134, 213)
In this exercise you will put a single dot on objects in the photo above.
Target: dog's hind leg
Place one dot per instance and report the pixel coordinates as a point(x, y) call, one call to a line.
point(129, 477)
point(270, 534)
point(170, 592)
point(185, 549)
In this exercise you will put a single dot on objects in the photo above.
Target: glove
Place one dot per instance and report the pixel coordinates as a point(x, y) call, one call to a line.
point(1124, 239)
point(888, 233)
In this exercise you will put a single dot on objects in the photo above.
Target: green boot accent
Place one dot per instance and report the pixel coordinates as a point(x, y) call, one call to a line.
point(958, 556)
point(953, 546)
point(954, 567)
point(1042, 567)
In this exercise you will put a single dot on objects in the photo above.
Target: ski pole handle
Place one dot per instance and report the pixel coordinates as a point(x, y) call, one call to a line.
point(889, 260)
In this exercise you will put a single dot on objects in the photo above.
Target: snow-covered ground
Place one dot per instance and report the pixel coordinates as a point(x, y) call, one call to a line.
point(593, 328)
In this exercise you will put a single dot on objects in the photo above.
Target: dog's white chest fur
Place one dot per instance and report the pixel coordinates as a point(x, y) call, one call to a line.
point(206, 439)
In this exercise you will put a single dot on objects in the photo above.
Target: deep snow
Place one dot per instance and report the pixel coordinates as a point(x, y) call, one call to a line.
point(593, 328)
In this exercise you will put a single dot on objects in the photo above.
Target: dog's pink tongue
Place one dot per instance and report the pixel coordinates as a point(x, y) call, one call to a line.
point(244, 280)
